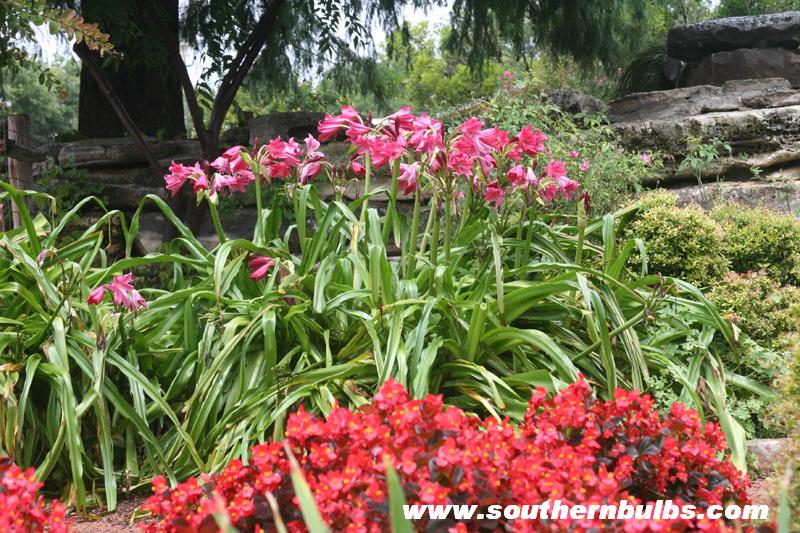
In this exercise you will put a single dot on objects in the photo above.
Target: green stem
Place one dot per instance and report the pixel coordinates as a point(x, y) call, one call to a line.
point(391, 211)
point(411, 251)
point(367, 175)
point(217, 225)
point(528, 240)
point(434, 233)
point(467, 207)
point(518, 253)
point(581, 234)
point(448, 215)
point(301, 224)
point(273, 225)
point(259, 225)
point(426, 233)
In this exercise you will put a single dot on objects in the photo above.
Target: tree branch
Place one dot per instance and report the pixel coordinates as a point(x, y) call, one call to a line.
point(85, 55)
point(240, 66)
point(173, 50)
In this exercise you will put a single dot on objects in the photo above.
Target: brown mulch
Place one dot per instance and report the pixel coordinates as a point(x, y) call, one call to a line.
point(118, 521)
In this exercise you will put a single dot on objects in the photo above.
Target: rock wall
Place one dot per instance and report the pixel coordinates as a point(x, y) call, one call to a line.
point(716, 51)
point(738, 81)
point(759, 119)
point(117, 168)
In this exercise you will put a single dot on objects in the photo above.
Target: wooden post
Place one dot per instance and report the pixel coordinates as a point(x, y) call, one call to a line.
point(20, 173)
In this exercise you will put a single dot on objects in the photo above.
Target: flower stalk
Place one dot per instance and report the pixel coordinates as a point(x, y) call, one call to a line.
point(434, 233)
point(391, 210)
point(259, 224)
point(212, 206)
point(411, 248)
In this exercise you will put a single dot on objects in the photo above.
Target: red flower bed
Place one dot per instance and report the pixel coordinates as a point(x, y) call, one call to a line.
point(21, 510)
point(571, 447)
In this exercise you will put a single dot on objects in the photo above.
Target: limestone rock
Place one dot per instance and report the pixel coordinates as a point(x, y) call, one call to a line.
point(238, 135)
point(663, 105)
point(743, 63)
point(767, 452)
point(684, 102)
point(758, 137)
point(777, 190)
point(695, 41)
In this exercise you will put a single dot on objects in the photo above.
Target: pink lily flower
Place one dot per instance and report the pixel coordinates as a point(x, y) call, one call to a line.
point(494, 194)
point(96, 296)
point(260, 266)
point(531, 142)
point(408, 178)
point(555, 169)
point(516, 175)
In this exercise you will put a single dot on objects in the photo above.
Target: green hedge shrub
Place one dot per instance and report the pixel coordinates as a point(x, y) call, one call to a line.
point(759, 305)
point(680, 242)
point(787, 411)
point(760, 239)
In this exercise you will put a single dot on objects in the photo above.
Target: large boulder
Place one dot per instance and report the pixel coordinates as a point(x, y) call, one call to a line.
point(735, 95)
point(778, 190)
point(662, 105)
point(743, 63)
point(759, 138)
point(695, 41)
point(758, 119)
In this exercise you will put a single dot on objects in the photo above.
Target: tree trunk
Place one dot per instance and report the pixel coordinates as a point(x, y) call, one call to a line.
point(144, 80)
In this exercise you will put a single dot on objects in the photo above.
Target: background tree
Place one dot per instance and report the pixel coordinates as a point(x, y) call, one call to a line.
point(144, 78)
point(54, 112)
point(738, 8)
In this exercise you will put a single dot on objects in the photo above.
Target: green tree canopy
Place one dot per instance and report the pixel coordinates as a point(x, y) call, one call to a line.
point(53, 112)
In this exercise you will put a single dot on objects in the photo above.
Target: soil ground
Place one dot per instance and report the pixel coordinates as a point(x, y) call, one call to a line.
point(118, 521)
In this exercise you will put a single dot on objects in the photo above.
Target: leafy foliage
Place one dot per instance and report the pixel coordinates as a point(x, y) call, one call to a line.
point(618, 449)
point(17, 21)
point(604, 30)
point(787, 480)
point(739, 8)
point(756, 302)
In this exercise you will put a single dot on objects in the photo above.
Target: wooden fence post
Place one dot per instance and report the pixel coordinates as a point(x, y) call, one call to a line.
point(20, 173)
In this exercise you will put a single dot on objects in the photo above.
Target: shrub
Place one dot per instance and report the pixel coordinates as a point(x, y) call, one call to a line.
point(571, 447)
point(21, 510)
point(760, 239)
point(679, 242)
point(656, 198)
point(758, 305)
point(787, 411)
